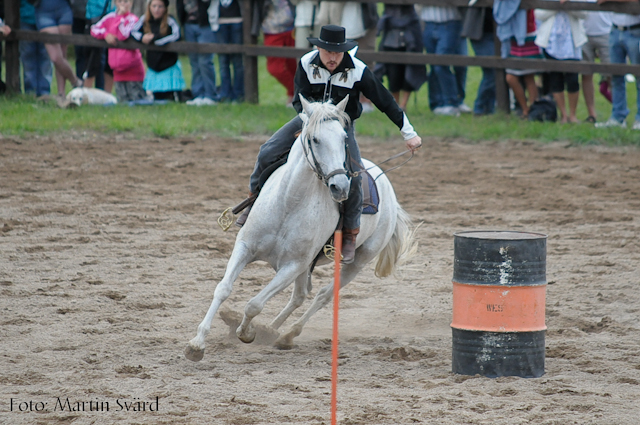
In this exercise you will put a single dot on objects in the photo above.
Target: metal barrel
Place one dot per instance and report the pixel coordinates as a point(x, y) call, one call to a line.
point(499, 290)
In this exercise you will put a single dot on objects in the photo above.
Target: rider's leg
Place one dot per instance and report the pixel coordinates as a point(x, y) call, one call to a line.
point(279, 144)
point(353, 204)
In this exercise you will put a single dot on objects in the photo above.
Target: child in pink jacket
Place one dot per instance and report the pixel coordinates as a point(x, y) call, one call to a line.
point(127, 66)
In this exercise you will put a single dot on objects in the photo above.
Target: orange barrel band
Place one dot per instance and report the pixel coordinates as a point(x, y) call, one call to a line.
point(498, 308)
point(499, 290)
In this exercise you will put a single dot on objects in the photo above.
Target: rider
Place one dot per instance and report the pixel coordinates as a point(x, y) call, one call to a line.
point(329, 74)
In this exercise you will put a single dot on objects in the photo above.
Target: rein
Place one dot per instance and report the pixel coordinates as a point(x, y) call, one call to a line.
point(398, 155)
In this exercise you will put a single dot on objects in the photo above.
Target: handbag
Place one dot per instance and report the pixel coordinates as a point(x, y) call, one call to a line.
point(543, 110)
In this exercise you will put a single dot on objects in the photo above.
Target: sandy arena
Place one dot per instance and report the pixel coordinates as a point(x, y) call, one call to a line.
point(110, 253)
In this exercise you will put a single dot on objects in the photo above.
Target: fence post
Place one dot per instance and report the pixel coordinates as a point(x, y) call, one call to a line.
point(502, 88)
point(12, 51)
point(250, 62)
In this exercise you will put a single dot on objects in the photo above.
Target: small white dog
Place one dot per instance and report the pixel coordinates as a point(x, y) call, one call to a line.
point(90, 96)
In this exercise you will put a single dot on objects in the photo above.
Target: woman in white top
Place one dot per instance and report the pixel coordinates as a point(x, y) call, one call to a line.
point(561, 34)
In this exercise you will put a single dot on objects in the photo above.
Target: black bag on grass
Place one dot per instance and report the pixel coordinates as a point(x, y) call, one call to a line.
point(543, 110)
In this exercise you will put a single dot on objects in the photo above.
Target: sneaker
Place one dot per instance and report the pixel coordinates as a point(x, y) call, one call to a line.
point(447, 110)
point(636, 126)
point(464, 109)
point(611, 122)
point(207, 101)
point(195, 102)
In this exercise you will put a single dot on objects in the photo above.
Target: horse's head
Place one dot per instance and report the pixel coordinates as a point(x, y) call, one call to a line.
point(324, 140)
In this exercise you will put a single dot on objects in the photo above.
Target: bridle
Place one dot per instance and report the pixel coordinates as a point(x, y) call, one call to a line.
point(307, 146)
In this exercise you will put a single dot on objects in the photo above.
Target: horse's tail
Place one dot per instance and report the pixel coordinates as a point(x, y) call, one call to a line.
point(400, 248)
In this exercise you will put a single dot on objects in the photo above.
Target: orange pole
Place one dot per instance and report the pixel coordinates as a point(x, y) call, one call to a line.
point(337, 243)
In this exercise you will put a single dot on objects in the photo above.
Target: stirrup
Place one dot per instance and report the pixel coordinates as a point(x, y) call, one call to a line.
point(225, 221)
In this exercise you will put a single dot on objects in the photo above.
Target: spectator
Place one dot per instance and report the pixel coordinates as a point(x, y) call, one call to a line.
point(164, 72)
point(624, 40)
point(90, 61)
point(127, 66)
point(597, 25)
point(561, 35)
point(478, 25)
point(36, 66)
point(194, 17)
point(400, 30)
point(305, 21)
point(226, 23)
point(56, 17)
point(330, 13)
point(442, 28)
point(517, 30)
point(275, 18)
point(4, 30)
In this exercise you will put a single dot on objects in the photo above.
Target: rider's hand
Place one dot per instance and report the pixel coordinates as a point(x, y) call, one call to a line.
point(147, 38)
point(414, 143)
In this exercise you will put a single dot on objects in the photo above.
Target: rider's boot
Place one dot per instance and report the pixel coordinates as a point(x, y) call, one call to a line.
point(349, 244)
point(243, 217)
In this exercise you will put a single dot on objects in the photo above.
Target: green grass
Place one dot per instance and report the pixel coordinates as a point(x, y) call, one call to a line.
point(22, 115)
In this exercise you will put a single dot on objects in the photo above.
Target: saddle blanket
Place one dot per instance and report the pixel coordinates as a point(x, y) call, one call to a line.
point(370, 197)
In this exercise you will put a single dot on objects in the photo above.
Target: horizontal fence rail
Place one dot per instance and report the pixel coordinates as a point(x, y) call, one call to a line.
point(366, 55)
point(251, 50)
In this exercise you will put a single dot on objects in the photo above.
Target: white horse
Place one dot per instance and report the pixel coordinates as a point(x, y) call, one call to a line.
point(294, 216)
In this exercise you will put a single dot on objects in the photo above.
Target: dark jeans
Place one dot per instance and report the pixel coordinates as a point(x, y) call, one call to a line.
point(280, 143)
point(446, 88)
point(36, 66)
point(230, 88)
point(486, 99)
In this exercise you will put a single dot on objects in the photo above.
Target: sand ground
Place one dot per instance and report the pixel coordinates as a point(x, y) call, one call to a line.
point(110, 252)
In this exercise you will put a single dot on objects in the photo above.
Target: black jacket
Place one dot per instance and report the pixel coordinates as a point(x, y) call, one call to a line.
point(351, 77)
point(403, 22)
point(157, 60)
point(203, 15)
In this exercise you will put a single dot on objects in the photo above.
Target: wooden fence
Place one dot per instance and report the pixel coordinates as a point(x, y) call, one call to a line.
point(251, 50)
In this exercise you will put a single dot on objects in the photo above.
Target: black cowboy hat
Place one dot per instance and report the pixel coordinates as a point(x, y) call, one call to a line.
point(332, 38)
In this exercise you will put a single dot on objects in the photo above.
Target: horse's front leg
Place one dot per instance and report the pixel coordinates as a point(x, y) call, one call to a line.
point(322, 298)
point(283, 278)
point(301, 289)
point(239, 259)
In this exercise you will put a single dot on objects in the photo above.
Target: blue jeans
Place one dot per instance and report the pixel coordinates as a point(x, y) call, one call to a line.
point(444, 39)
point(203, 76)
point(460, 72)
point(486, 99)
point(36, 66)
point(230, 34)
point(623, 44)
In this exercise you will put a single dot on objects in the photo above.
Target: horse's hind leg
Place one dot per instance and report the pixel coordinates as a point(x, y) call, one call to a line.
point(283, 278)
point(324, 295)
point(239, 259)
point(301, 289)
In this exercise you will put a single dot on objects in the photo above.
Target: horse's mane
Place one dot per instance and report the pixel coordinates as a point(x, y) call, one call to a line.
point(324, 112)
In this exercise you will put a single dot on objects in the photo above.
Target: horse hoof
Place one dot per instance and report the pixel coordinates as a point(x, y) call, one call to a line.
point(284, 342)
point(248, 336)
point(193, 353)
